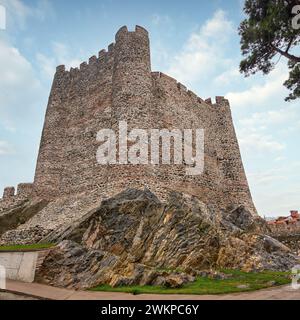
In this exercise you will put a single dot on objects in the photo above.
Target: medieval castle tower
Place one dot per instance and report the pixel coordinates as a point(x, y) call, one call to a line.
point(119, 85)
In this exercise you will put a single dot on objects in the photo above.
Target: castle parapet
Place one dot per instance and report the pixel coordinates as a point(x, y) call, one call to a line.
point(124, 30)
point(24, 190)
point(60, 68)
point(96, 66)
point(222, 101)
point(8, 193)
point(174, 83)
point(83, 66)
point(111, 48)
point(92, 60)
point(102, 55)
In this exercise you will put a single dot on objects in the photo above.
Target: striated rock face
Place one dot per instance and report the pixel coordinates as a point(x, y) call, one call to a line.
point(131, 237)
point(38, 222)
point(18, 215)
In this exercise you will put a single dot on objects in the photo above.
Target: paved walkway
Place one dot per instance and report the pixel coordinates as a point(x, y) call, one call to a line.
point(47, 292)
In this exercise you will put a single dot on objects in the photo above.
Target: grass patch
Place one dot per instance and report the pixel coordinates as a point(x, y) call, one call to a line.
point(169, 270)
point(27, 247)
point(252, 281)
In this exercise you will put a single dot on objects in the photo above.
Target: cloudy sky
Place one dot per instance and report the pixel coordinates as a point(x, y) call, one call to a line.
point(194, 41)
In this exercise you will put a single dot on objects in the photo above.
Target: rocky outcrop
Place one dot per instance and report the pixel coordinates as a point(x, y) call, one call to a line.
point(47, 220)
point(71, 265)
point(290, 240)
point(132, 236)
point(18, 215)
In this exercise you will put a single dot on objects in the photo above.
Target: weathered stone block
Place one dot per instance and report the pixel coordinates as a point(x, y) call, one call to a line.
point(8, 192)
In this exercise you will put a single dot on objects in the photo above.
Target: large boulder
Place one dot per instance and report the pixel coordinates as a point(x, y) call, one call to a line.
point(133, 235)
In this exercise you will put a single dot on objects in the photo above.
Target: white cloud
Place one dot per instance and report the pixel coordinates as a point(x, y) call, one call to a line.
point(43, 10)
point(64, 55)
point(19, 12)
point(258, 142)
point(18, 85)
point(260, 94)
point(201, 54)
point(280, 159)
point(46, 64)
point(15, 69)
point(228, 76)
point(5, 148)
point(260, 131)
point(61, 54)
point(218, 27)
point(255, 132)
point(273, 117)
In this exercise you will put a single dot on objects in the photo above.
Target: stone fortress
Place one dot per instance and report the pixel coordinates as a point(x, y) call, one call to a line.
point(119, 85)
point(116, 224)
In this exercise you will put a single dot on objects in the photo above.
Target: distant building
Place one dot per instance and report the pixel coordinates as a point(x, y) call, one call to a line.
point(293, 218)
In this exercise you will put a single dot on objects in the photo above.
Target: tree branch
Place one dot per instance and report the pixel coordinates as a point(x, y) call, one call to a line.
point(286, 54)
point(289, 45)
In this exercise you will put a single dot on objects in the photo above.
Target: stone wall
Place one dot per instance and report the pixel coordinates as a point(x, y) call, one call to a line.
point(224, 181)
point(8, 192)
point(119, 85)
point(11, 199)
point(289, 234)
point(25, 190)
point(290, 240)
point(284, 229)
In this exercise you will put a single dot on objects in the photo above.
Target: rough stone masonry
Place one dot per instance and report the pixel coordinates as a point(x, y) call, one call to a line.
point(119, 85)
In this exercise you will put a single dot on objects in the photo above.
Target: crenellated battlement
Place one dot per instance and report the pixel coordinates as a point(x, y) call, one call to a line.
point(61, 69)
point(8, 192)
point(180, 87)
point(23, 190)
point(104, 55)
point(111, 48)
point(93, 64)
point(123, 32)
point(92, 60)
point(106, 59)
point(11, 198)
point(219, 100)
point(98, 70)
